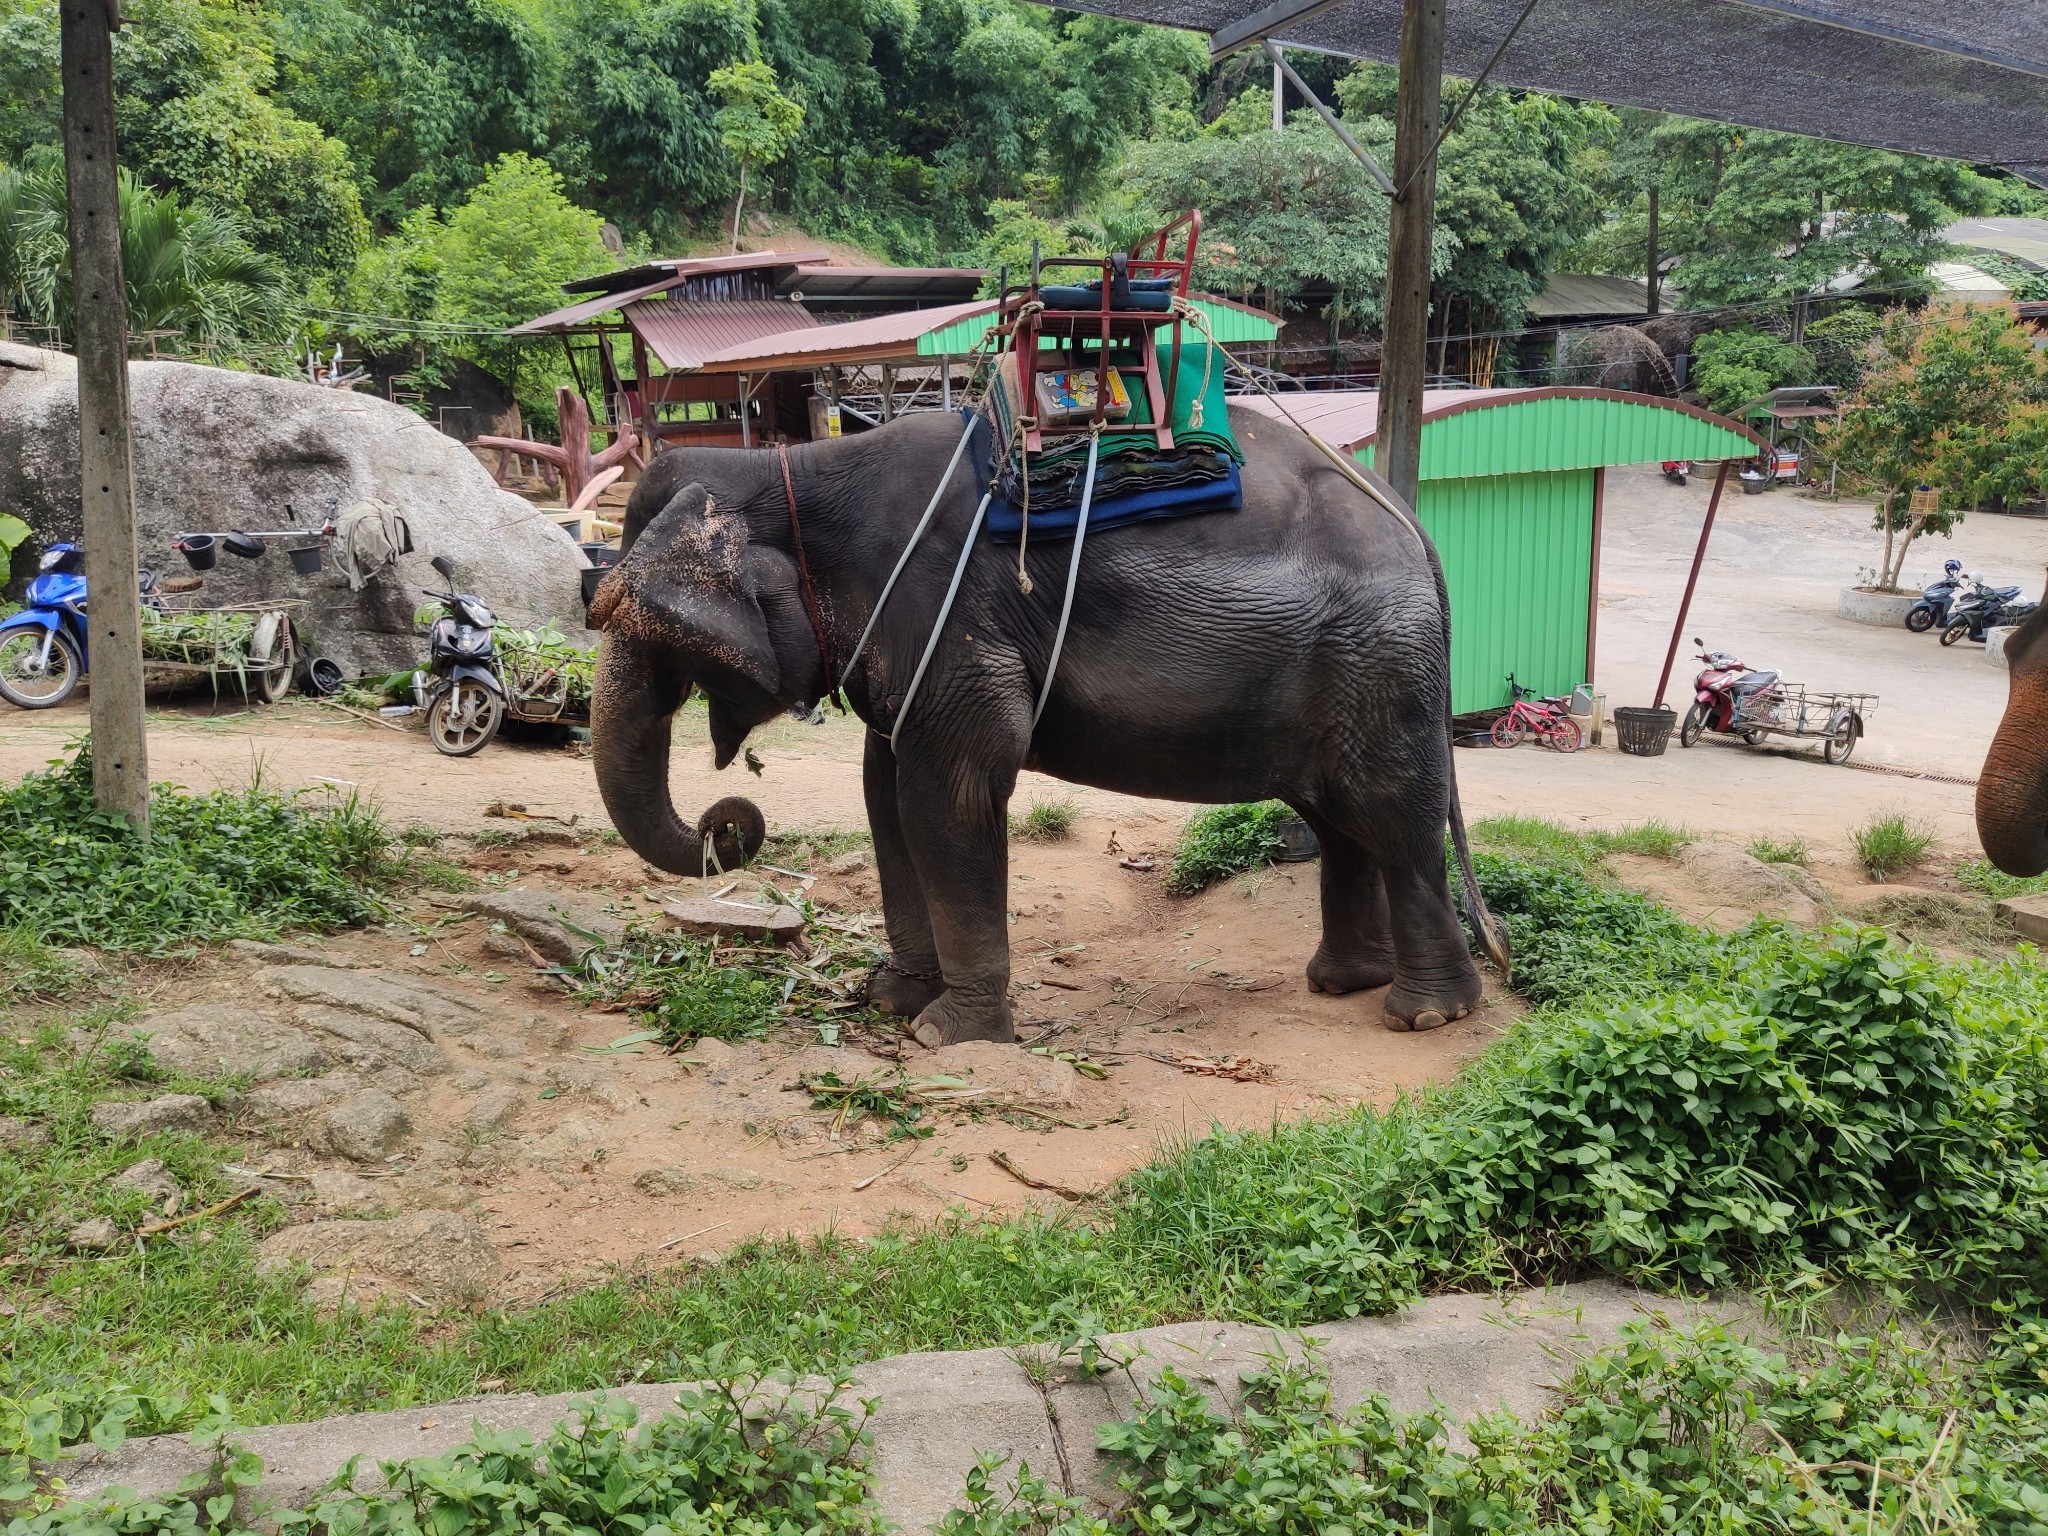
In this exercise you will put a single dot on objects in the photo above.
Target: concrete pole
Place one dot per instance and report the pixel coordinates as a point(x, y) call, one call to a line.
point(120, 756)
point(1279, 98)
point(1404, 347)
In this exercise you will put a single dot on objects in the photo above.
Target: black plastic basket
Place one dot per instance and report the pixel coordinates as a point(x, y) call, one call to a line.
point(1644, 732)
point(1297, 842)
point(306, 561)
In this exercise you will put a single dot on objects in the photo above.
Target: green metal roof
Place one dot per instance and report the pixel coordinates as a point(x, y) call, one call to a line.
point(1228, 322)
point(1514, 432)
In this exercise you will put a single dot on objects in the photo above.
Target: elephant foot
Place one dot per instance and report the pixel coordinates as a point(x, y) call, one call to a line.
point(1338, 974)
point(905, 992)
point(1416, 1009)
point(949, 1021)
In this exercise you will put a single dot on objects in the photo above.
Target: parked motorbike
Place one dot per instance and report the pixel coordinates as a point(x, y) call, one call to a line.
point(1677, 471)
point(1725, 694)
point(1975, 608)
point(464, 695)
point(1931, 611)
point(43, 647)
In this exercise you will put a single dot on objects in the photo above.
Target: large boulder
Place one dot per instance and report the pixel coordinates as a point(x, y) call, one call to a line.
point(216, 449)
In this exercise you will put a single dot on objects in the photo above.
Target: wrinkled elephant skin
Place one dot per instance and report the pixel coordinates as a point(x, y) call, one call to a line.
point(2012, 790)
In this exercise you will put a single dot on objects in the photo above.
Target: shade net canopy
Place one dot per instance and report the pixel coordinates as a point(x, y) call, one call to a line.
point(1967, 79)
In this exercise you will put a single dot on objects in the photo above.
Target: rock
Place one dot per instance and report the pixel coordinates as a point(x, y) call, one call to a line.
point(1808, 884)
point(735, 1177)
point(435, 1255)
point(216, 1039)
point(848, 863)
point(473, 1081)
point(409, 1000)
point(1007, 1074)
point(297, 1097)
point(287, 954)
point(19, 1135)
point(1748, 885)
point(374, 1045)
point(716, 919)
point(171, 1112)
point(510, 945)
point(151, 1179)
point(341, 1193)
point(218, 449)
point(98, 1235)
point(2026, 916)
point(366, 1127)
point(549, 923)
point(491, 1111)
point(663, 1182)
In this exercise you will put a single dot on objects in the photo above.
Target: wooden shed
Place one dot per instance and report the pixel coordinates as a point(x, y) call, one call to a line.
point(1513, 482)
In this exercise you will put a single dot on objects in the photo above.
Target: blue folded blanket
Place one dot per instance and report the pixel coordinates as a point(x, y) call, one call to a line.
point(1006, 521)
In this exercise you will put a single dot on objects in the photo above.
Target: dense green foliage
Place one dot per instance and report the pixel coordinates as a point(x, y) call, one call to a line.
point(215, 865)
point(1223, 841)
point(1735, 369)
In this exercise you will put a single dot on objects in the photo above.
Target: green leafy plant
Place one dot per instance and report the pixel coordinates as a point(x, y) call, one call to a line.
point(542, 663)
point(1048, 821)
point(1987, 879)
point(1575, 939)
point(1892, 842)
point(1226, 841)
point(215, 865)
point(1733, 370)
point(1779, 850)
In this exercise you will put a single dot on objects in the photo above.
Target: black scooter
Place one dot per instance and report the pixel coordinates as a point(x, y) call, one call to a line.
point(465, 698)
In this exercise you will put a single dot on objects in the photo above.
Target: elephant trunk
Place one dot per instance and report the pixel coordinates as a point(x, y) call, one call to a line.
point(2012, 789)
point(632, 710)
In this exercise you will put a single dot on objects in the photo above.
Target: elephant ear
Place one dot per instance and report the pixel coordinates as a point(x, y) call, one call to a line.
point(684, 588)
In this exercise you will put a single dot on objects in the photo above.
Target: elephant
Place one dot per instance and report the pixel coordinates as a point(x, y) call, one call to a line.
point(1296, 648)
point(2012, 790)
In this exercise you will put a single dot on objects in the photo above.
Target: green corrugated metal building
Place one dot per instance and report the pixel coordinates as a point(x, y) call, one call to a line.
point(1511, 491)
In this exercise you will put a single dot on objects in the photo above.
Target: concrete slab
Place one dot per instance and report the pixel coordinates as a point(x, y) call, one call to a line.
point(2026, 915)
point(937, 1413)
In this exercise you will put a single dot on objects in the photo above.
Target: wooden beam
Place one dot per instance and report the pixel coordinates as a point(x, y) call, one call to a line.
point(1404, 348)
point(106, 469)
point(1699, 557)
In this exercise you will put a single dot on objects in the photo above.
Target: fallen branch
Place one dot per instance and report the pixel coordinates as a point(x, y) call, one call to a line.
point(190, 1216)
point(688, 1235)
point(884, 1173)
point(1002, 1161)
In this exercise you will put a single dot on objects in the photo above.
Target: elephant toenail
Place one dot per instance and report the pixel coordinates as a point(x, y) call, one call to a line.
point(1429, 1019)
point(928, 1036)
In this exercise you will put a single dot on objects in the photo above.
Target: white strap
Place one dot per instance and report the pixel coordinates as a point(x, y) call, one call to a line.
point(917, 533)
point(945, 610)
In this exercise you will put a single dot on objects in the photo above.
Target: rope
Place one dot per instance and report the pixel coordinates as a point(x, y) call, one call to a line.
point(1059, 635)
point(945, 610)
point(803, 571)
point(1018, 435)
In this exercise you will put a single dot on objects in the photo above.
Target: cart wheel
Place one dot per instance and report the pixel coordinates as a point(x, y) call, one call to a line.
point(27, 679)
point(272, 680)
point(1752, 737)
point(1509, 732)
point(463, 718)
point(1563, 736)
point(1845, 729)
point(1955, 632)
point(1695, 721)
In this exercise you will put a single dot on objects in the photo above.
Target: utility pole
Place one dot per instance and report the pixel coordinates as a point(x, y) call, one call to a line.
point(1404, 347)
point(106, 471)
point(1651, 256)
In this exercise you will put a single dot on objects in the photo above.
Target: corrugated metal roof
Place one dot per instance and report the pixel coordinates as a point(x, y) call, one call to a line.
point(1470, 432)
point(855, 287)
point(1934, 77)
point(672, 268)
point(1229, 321)
point(1587, 293)
point(683, 332)
point(588, 309)
point(876, 339)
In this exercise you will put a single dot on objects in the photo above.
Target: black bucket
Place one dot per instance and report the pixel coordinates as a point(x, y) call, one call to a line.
point(200, 550)
point(601, 555)
point(323, 677)
point(1297, 842)
point(306, 561)
point(591, 578)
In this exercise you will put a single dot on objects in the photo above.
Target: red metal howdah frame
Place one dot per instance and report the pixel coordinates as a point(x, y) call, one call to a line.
point(1134, 329)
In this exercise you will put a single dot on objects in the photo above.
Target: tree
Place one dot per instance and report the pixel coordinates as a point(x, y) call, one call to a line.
point(1736, 368)
point(1954, 400)
point(756, 124)
point(503, 257)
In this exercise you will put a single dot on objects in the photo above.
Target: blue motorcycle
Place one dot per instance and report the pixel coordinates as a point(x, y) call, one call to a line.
point(42, 648)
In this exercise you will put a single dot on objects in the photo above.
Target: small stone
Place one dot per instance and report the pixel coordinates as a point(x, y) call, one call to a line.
point(98, 1235)
point(710, 918)
point(710, 1258)
point(561, 931)
point(491, 1111)
point(171, 1112)
point(151, 1179)
point(735, 1177)
point(341, 1193)
point(848, 863)
point(1008, 1074)
point(473, 1081)
point(711, 1056)
point(374, 1046)
point(436, 1255)
point(19, 1135)
point(366, 1127)
point(438, 1154)
point(214, 1039)
point(510, 945)
point(413, 1001)
point(664, 1182)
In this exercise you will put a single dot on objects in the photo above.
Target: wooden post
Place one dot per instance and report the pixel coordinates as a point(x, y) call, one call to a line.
point(1404, 348)
point(106, 471)
point(1685, 603)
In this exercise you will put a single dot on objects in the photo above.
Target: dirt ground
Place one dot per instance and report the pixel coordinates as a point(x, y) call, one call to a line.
point(574, 1157)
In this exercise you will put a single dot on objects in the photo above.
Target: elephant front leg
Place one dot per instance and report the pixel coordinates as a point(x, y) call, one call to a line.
point(953, 823)
point(908, 981)
point(1357, 951)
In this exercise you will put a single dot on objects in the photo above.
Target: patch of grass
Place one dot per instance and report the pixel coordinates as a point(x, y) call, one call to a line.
point(1223, 841)
point(1652, 840)
point(495, 839)
point(230, 863)
point(1891, 843)
point(805, 848)
point(1048, 821)
point(32, 972)
point(1775, 850)
point(440, 875)
point(1987, 879)
point(1939, 920)
point(1536, 839)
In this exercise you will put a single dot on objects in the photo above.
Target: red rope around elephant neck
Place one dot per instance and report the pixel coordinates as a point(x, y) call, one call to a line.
point(803, 573)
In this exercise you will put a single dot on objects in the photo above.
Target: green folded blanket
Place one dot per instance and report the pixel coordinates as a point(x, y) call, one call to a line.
point(1201, 419)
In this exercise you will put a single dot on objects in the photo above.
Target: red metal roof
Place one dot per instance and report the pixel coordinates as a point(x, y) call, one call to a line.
point(875, 339)
point(588, 309)
point(683, 332)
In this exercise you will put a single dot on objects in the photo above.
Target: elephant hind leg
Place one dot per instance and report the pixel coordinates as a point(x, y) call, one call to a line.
point(1357, 951)
point(909, 980)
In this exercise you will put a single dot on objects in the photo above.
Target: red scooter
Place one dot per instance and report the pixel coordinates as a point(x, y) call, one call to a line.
point(1730, 698)
point(1677, 471)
